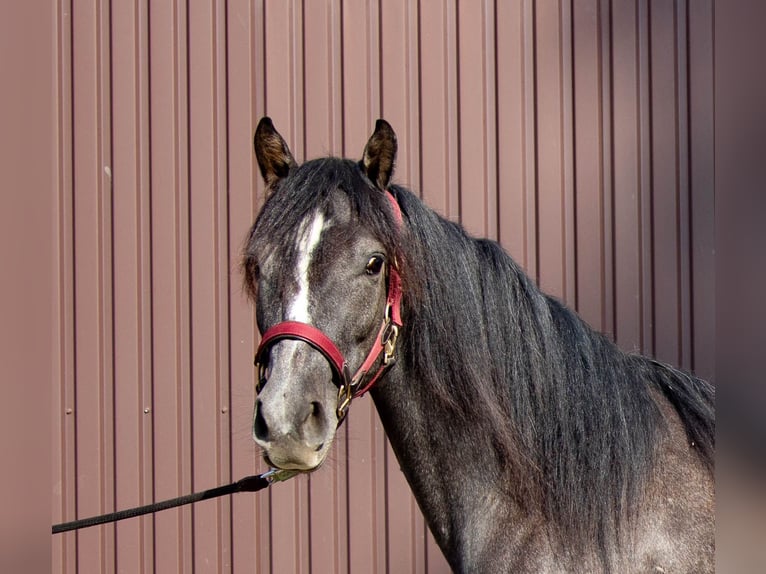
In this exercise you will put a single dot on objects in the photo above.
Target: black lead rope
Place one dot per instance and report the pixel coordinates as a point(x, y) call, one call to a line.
point(248, 484)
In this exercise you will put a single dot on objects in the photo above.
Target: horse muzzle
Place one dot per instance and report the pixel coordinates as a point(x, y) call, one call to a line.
point(303, 447)
point(294, 419)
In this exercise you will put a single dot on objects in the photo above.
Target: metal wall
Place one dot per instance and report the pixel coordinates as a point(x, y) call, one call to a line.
point(578, 134)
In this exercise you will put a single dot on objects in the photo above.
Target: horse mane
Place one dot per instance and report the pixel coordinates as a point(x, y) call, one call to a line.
point(573, 416)
point(573, 419)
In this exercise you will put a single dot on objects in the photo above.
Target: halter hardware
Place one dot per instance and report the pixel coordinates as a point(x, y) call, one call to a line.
point(389, 335)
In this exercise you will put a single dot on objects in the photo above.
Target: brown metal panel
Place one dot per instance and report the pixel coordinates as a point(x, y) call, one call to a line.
point(588, 158)
point(131, 288)
point(223, 267)
point(92, 281)
point(328, 512)
point(549, 148)
point(553, 34)
point(569, 202)
point(323, 101)
point(208, 282)
point(64, 549)
point(366, 490)
point(531, 261)
point(360, 68)
point(517, 132)
point(32, 313)
point(249, 522)
point(701, 113)
point(400, 84)
point(283, 84)
point(477, 118)
point(683, 184)
point(645, 177)
point(169, 274)
point(438, 108)
point(607, 167)
point(514, 58)
point(666, 212)
point(627, 201)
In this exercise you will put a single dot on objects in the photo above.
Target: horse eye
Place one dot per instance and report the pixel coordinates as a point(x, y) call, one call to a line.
point(374, 265)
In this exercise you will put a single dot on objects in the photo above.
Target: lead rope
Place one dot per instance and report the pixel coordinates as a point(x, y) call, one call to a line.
point(252, 483)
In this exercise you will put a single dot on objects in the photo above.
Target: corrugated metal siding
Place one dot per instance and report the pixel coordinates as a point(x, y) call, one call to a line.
point(578, 134)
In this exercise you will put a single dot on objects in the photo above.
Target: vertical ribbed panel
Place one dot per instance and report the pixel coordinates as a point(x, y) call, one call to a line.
point(169, 172)
point(578, 134)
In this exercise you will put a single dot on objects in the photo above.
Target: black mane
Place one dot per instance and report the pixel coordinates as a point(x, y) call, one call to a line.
point(574, 418)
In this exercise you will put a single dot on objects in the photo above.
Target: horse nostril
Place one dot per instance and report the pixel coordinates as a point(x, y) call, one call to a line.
point(314, 421)
point(260, 428)
point(314, 428)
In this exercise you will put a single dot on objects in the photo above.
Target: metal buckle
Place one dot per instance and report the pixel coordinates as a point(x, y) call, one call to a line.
point(279, 475)
point(345, 394)
point(344, 400)
point(390, 335)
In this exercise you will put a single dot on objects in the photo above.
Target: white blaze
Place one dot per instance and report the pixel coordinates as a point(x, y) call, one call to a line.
point(298, 309)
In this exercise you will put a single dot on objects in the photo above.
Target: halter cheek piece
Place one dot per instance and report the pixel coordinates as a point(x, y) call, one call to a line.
point(348, 387)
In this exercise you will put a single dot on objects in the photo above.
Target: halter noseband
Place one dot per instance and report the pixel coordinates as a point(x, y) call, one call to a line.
point(348, 387)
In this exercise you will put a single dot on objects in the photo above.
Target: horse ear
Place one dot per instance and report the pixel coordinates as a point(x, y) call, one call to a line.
point(274, 157)
point(379, 154)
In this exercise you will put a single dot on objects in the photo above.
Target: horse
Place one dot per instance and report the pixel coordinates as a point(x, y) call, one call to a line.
point(531, 442)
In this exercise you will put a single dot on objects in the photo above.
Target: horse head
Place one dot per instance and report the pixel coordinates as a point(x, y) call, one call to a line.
point(320, 265)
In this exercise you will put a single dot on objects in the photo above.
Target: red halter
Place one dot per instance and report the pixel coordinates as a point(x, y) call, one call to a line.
point(348, 387)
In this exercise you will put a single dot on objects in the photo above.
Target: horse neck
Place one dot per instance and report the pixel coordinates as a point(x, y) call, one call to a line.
point(455, 478)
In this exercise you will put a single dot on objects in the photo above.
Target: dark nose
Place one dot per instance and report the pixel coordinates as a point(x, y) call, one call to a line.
point(260, 428)
point(309, 426)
